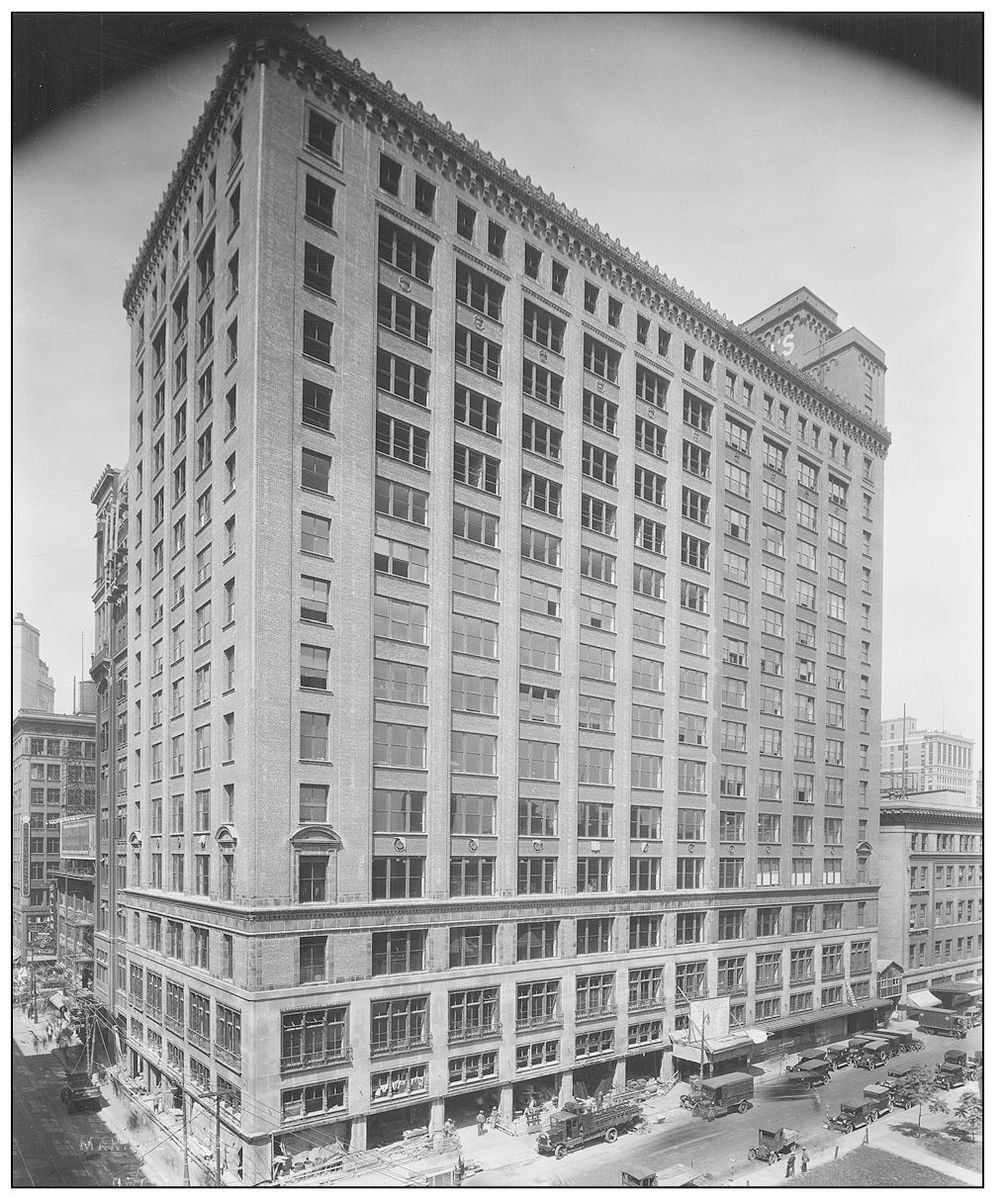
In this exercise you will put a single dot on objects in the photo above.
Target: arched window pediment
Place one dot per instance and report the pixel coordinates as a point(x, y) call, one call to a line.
point(317, 835)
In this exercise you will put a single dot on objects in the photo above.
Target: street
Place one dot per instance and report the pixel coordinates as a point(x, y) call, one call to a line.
point(720, 1148)
point(53, 1147)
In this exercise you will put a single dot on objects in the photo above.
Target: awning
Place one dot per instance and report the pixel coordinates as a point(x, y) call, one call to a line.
point(923, 999)
point(57, 1000)
point(717, 1048)
point(812, 1017)
point(970, 986)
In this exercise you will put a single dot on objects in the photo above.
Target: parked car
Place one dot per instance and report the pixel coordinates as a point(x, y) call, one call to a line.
point(772, 1144)
point(879, 1097)
point(839, 1054)
point(950, 1076)
point(810, 1074)
point(572, 1128)
point(872, 1055)
point(79, 1093)
point(974, 1015)
point(969, 1064)
point(717, 1096)
point(674, 1176)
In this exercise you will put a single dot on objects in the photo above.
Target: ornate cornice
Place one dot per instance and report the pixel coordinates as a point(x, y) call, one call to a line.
point(361, 97)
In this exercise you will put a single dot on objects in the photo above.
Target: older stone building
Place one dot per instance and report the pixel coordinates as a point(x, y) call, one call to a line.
point(931, 897)
point(504, 635)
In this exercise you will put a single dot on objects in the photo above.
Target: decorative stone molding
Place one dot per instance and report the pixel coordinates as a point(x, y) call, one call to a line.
point(360, 96)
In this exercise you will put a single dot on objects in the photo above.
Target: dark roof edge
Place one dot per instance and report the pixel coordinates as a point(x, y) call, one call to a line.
point(269, 44)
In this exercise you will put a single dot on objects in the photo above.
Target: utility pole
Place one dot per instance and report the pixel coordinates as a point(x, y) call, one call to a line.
point(216, 1143)
point(185, 1179)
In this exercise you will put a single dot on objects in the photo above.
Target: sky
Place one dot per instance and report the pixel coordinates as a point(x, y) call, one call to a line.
point(742, 160)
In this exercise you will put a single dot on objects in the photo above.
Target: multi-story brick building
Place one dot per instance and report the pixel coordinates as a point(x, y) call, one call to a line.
point(505, 641)
point(109, 674)
point(931, 897)
point(925, 761)
point(53, 772)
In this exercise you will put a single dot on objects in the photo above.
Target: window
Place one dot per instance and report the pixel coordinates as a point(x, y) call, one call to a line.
point(475, 525)
point(535, 941)
point(397, 876)
point(319, 203)
point(478, 353)
point(475, 636)
point(477, 411)
point(471, 694)
point(737, 523)
point(400, 559)
point(472, 814)
point(405, 317)
point(600, 359)
point(599, 464)
point(737, 480)
point(401, 501)
point(425, 195)
point(472, 753)
point(542, 494)
point(696, 460)
point(472, 876)
point(735, 610)
point(408, 381)
point(542, 327)
point(404, 252)
point(313, 736)
point(541, 439)
point(399, 746)
point(598, 515)
point(543, 385)
point(693, 684)
point(540, 547)
point(478, 292)
point(475, 580)
point(313, 803)
point(465, 221)
point(397, 952)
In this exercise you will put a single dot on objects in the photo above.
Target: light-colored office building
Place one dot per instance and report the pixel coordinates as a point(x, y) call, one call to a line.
point(925, 761)
point(33, 687)
point(504, 637)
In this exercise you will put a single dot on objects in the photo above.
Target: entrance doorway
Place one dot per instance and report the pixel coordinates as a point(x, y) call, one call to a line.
point(390, 1126)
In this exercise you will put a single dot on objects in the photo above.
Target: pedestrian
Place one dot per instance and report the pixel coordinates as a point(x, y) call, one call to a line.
point(493, 1117)
point(480, 1122)
point(34, 1039)
point(790, 1165)
point(805, 1161)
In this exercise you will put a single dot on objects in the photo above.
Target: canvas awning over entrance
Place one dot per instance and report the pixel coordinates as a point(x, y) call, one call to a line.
point(923, 999)
point(717, 1049)
point(791, 1021)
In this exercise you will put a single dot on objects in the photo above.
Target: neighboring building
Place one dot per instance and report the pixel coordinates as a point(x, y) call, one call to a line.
point(923, 761)
point(513, 685)
point(33, 686)
point(109, 676)
point(53, 773)
point(931, 870)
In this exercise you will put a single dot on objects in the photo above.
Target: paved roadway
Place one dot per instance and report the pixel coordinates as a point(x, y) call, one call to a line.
point(709, 1147)
point(51, 1144)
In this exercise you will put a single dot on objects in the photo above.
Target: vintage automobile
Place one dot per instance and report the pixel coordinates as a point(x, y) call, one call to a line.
point(79, 1093)
point(674, 1176)
point(879, 1097)
point(943, 1022)
point(716, 1096)
point(851, 1116)
point(839, 1054)
point(969, 1064)
point(572, 1128)
point(772, 1144)
point(905, 1039)
point(810, 1073)
point(809, 1054)
point(950, 1076)
point(872, 1055)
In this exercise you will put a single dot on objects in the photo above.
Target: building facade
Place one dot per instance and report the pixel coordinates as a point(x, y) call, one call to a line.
point(33, 687)
point(925, 761)
point(109, 676)
point(53, 771)
point(504, 641)
point(931, 897)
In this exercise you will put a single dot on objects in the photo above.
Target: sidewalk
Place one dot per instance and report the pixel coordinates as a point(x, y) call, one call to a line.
point(902, 1145)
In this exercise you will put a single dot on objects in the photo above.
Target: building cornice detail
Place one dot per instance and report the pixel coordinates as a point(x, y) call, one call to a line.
point(361, 97)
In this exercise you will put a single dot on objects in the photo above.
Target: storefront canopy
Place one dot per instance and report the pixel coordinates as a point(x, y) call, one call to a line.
point(717, 1048)
point(57, 1000)
point(923, 999)
point(791, 1021)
